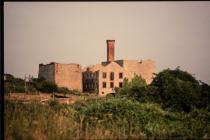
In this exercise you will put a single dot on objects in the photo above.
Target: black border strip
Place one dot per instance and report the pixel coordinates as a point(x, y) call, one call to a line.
point(2, 73)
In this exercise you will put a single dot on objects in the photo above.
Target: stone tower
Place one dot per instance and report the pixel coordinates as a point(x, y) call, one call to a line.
point(110, 50)
point(64, 75)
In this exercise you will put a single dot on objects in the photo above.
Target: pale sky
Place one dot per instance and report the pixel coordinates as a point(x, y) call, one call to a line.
point(171, 33)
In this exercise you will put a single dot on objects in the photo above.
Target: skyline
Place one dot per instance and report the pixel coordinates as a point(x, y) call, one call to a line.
point(170, 33)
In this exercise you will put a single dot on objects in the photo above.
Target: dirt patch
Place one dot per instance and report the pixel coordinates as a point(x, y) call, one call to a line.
point(39, 97)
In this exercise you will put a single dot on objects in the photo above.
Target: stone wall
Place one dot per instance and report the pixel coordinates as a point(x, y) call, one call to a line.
point(47, 72)
point(69, 75)
point(64, 75)
point(145, 68)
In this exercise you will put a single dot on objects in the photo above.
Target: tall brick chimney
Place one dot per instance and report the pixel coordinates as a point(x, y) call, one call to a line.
point(110, 50)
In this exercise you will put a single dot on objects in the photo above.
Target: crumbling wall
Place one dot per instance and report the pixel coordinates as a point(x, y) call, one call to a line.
point(47, 72)
point(145, 68)
point(69, 75)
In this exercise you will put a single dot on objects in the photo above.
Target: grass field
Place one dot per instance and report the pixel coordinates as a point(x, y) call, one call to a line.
point(93, 117)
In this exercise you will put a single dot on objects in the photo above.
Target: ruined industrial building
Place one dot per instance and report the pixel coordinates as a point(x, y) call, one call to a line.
point(99, 78)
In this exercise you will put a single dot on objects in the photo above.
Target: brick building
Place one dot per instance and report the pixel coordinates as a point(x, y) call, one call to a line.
point(99, 78)
point(64, 75)
point(102, 78)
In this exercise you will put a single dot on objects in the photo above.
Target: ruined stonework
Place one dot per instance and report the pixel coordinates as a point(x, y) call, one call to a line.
point(104, 77)
point(64, 75)
point(47, 72)
point(100, 78)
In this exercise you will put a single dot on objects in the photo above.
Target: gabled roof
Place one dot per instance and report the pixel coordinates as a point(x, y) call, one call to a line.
point(106, 65)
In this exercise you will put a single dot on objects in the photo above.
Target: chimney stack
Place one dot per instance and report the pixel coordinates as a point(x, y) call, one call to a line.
point(110, 50)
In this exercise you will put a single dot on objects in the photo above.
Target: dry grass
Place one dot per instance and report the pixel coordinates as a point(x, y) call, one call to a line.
point(44, 97)
point(27, 96)
point(110, 118)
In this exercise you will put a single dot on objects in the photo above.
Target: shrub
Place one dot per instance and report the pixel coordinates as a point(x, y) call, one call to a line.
point(138, 81)
point(132, 88)
point(13, 84)
point(53, 103)
point(131, 119)
point(48, 87)
point(63, 90)
point(8, 87)
point(177, 89)
point(75, 92)
point(112, 118)
point(204, 101)
point(174, 89)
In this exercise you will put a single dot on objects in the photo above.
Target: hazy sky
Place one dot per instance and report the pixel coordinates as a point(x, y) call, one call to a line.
point(171, 33)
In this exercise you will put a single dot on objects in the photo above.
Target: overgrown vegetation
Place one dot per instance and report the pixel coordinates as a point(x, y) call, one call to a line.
point(175, 105)
point(18, 85)
point(174, 89)
point(13, 84)
point(105, 118)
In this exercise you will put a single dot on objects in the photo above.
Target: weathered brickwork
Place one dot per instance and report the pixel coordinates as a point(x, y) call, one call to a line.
point(121, 69)
point(68, 75)
point(99, 78)
point(64, 75)
point(102, 78)
point(110, 50)
point(47, 71)
point(145, 68)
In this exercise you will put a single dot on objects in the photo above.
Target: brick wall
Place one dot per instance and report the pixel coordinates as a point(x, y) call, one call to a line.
point(69, 75)
point(64, 75)
point(47, 72)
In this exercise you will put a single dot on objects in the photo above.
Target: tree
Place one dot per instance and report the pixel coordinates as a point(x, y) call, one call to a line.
point(13, 84)
point(134, 88)
point(178, 89)
point(138, 81)
point(204, 101)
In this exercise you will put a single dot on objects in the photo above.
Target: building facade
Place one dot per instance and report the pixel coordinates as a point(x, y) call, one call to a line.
point(64, 75)
point(100, 78)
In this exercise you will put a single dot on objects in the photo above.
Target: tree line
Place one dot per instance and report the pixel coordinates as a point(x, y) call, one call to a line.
point(174, 89)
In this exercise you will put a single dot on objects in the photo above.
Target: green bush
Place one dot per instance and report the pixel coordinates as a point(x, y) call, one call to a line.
point(8, 87)
point(138, 81)
point(130, 119)
point(102, 118)
point(178, 89)
point(48, 87)
point(63, 90)
point(13, 84)
point(75, 92)
point(53, 103)
point(204, 99)
point(12, 87)
point(174, 89)
point(31, 89)
point(132, 88)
